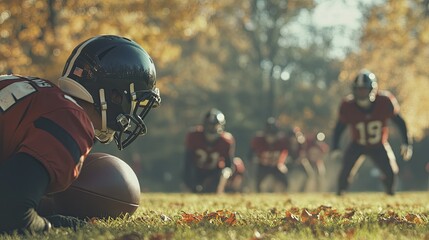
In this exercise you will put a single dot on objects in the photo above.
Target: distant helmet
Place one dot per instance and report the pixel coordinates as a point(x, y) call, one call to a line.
point(365, 80)
point(214, 124)
point(118, 76)
point(271, 126)
point(271, 130)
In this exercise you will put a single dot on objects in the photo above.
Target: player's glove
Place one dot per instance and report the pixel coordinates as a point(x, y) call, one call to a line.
point(226, 172)
point(65, 221)
point(282, 168)
point(406, 151)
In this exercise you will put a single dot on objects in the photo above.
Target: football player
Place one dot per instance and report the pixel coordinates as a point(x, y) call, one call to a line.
point(314, 151)
point(269, 150)
point(47, 129)
point(209, 151)
point(367, 111)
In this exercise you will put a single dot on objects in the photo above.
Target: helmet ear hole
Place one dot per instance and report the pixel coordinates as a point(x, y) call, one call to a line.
point(116, 96)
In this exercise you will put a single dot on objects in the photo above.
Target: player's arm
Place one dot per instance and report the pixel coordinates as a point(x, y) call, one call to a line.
point(402, 127)
point(227, 171)
point(284, 152)
point(406, 148)
point(231, 153)
point(338, 131)
point(281, 162)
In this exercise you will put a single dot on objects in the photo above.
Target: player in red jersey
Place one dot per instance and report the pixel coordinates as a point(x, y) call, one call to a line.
point(367, 111)
point(47, 130)
point(269, 150)
point(208, 155)
point(314, 150)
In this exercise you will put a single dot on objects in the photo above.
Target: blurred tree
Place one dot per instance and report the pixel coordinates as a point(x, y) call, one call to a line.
point(394, 45)
point(265, 23)
point(37, 36)
point(238, 56)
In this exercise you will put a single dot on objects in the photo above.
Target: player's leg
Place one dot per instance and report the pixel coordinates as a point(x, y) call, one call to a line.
point(384, 158)
point(261, 174)
point(281, 180)
point(351, 155)
point(211, 181)
point(310, 175)
point(23, 181)
point(321, 175)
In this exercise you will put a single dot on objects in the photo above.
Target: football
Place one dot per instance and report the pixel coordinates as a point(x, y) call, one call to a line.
point(106, 187)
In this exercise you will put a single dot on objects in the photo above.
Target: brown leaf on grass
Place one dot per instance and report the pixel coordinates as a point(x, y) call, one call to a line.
point(291, 218)
point(220, 216)
point(392, 217)
point(349, 214)
point(93, 220)
point(231, 220)
point(332, 213)
point(413, 218)
point(305, 216)
point(308, 218)
point(324, 208)
point(191, 218)
point(392, 213)
point(389, 220)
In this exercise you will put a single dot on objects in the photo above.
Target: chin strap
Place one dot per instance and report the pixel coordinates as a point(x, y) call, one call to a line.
point(133, 98)
point(104, 135)
point(103, 106)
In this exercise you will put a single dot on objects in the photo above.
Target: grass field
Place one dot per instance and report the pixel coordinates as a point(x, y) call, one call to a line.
point(263, 216)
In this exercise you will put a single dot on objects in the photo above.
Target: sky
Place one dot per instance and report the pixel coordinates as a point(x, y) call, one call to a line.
point(337, 12)
point(347, 19)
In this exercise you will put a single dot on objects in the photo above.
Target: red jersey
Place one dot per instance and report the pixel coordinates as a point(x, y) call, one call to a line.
point(369, 127)
point(37, 118)
point(269, 154)
point(315, 150)
point(210, 156)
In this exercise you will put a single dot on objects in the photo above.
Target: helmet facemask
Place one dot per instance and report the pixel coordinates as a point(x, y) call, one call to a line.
point(122, 119)
point(214, 125)
point(365, 89)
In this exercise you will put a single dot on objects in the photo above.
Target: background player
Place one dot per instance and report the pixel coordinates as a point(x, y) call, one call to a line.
point(314, 150)
point(367, 111)
point(268, 151)
point(106, 90)
point(209, 151)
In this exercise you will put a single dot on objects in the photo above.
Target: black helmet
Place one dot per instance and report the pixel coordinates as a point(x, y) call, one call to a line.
point(213, 124)
point(271, 126)
point(367, 80)
point(118, 76)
